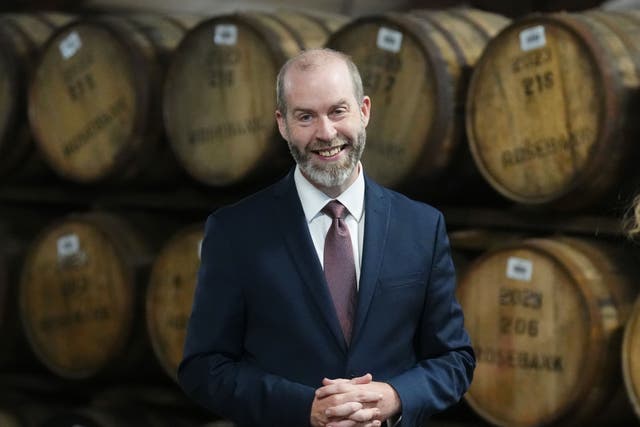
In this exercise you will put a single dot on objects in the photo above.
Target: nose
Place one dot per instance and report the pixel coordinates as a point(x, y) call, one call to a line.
point(325, 130)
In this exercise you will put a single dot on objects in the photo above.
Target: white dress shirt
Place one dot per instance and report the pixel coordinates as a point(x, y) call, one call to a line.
point(313, 200)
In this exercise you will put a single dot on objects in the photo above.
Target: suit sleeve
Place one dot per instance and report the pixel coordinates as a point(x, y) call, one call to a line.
point(446, 359)
point(213, 371)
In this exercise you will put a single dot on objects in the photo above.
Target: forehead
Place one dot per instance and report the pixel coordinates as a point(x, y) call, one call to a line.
point(324, 80)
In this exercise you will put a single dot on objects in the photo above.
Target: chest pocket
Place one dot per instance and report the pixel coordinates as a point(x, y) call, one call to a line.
point(396, 283)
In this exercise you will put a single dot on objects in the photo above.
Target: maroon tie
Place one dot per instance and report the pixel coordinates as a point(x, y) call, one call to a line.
point(339, 268)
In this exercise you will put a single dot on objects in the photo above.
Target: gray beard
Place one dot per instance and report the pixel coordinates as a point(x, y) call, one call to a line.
point(333, 175)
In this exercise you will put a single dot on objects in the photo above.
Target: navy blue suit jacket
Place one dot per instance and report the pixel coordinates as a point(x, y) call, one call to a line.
point(263, 332)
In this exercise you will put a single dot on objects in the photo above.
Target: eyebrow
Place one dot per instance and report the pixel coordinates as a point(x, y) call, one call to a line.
point(340, 103)
point(302, 110)
point(343, 101)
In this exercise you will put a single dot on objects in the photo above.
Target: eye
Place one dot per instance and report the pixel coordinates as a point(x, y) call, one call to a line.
point(305, 117)
point(340, 111)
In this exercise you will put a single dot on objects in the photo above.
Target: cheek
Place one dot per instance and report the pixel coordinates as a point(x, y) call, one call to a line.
point(350, 129)
point(300, 137)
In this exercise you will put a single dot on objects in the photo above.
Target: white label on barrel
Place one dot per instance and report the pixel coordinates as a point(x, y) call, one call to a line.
point(389, 39)
point(200, 249)
point(70, 45)
point(532, 38)
point(519, 269)
point(68, 245)
point(226, 35)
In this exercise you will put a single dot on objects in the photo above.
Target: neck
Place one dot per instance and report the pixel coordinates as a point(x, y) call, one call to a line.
point(335, 191)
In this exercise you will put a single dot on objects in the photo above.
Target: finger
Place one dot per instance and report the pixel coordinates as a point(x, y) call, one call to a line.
point(365, 414)
point(365, 379)
point(365, 396)
point(344, 410)
point(374, 423)
point(338, 387)
point(327, 381)
point(342, 423)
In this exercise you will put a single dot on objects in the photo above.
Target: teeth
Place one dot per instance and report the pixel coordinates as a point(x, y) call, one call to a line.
point(329, 153)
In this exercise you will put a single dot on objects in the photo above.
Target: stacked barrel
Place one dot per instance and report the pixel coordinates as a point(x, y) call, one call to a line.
point(550, 125)
point(101, 299)
point(467, 106)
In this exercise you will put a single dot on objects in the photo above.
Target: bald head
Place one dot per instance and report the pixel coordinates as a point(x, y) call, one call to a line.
point(309, 60)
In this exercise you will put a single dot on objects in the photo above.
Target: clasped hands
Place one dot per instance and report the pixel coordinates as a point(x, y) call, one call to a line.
point(359, 402)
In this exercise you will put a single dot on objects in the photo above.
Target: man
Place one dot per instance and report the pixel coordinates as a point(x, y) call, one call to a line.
point(334, 316)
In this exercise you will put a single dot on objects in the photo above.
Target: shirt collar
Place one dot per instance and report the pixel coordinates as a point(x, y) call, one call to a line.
point(313, 200)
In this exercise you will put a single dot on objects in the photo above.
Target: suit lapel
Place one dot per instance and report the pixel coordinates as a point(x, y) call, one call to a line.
point(295, 231)
point(377, 212)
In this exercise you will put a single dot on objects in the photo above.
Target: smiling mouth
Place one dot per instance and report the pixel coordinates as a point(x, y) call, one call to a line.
point(329, 152)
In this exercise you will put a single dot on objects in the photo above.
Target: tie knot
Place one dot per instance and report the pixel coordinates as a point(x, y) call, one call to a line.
point(335, 210)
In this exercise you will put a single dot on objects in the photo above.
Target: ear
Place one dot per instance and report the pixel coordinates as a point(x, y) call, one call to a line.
point(365, 110)
point(282, 126)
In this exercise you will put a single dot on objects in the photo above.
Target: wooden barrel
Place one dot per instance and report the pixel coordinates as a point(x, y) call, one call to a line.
point(219, 97)
point(170, 296)
point(21, 38)
point(552, 105)
point(631, 358)
point(80, 296)
point(94, 100)
point(545, 317)
point(415, 66)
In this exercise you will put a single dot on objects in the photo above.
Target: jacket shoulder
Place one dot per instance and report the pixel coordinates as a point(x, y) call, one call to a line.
point(407, 207)
point(252, 206)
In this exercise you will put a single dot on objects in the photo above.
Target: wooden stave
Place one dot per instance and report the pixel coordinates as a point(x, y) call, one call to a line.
point(160, 339)
point(460, 174)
